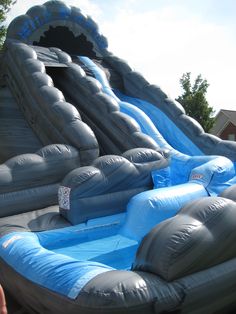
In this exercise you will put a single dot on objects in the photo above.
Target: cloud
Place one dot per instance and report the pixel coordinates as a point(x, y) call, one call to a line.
point(165, 44)
point(22, 6)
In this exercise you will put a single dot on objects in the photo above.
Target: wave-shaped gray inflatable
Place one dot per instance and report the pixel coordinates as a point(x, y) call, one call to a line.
point(33, 27)
point(80, 258)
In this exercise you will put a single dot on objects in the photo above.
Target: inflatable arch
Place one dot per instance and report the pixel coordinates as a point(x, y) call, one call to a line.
point(46, 24)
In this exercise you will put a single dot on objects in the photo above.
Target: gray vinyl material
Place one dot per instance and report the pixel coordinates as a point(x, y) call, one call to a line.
point(230, 193)
point(105, 187)
point(25, 171)
point(50, 58)
point(185, 296)
point(194, 240)
point(32, 26)
point(47, 218)
point(135, 85)
point(185, 264)
point(30, 181)
point(16, 136)
point(116, 132)
point(52, 118)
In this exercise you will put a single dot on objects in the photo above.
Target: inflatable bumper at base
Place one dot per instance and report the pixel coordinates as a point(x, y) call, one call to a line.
point(181, 264)
point(94, 257)
point(147, 227)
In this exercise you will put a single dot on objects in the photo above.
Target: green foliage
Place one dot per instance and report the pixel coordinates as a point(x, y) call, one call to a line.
point(5, 5)
point(194, 100)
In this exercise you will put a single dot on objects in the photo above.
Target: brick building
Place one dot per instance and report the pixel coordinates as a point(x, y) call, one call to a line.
point(225, 125)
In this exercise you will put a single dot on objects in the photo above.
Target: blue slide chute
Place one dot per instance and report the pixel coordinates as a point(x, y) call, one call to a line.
point(150, 119)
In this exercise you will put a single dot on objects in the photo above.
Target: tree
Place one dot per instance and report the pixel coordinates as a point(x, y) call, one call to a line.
point(194, 100)
point(5, 6)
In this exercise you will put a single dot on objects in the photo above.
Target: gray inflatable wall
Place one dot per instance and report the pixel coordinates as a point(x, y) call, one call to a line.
point(36, 24)
point(49, 115)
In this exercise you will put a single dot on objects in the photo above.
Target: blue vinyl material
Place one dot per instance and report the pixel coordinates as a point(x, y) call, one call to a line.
point(57, 272)
point(172, 265)
point(115, 250)
point(58, 259)
point(185, 155)
point(149, 208)
point(97, 240)
point(167, 135)
point(172, 134)
point(64, 260)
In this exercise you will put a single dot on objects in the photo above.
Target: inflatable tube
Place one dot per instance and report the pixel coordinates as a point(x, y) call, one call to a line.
point(230, 193)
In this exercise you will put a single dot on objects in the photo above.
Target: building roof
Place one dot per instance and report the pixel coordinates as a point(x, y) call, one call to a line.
point(222, 120)
point(230, 114)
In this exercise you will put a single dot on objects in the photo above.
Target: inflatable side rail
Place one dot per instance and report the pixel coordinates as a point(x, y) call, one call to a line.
point(30, 181)
point(116, 132)
point(53, 119)
point(230, 193)
point(157, 205)
point(105, 187)
point(195, 239)
point(215, 175)
point(135, 85)
point(175, 264)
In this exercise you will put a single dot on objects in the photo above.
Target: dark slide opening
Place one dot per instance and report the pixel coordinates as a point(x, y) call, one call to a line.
point(61, 37)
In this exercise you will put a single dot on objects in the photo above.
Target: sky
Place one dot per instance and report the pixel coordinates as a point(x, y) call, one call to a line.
point(162, 39)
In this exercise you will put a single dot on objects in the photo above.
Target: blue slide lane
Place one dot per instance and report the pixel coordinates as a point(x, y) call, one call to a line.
point(182, 159)
point(141, 111)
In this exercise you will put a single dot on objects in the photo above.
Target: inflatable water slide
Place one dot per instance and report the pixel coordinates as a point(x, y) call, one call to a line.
point(112, 200)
